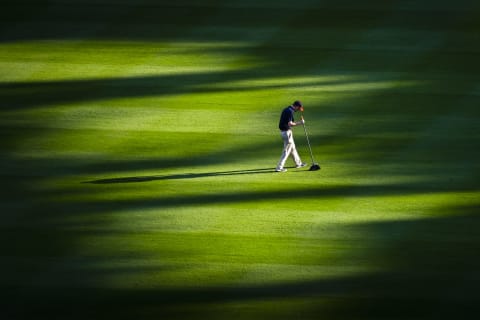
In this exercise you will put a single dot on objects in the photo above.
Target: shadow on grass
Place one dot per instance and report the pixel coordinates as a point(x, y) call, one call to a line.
point(180, 176)
point(92, 207)
point(154, 20)
point(32, 94)
point(426, 269)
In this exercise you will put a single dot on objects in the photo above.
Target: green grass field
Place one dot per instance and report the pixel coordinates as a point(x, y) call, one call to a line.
point(139, 140)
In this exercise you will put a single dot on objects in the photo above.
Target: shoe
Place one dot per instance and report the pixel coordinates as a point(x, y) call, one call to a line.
point(301, 165)
point(281, 170)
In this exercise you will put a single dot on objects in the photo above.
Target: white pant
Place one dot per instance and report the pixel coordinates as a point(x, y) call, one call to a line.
point(288, 149)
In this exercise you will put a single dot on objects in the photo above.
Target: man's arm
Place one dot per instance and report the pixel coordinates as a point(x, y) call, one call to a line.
point(296, 123)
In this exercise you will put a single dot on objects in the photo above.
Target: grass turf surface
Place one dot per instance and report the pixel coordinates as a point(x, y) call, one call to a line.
point(139, 141)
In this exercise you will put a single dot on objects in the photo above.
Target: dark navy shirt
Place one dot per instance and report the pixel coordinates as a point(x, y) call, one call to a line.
point(285, 118)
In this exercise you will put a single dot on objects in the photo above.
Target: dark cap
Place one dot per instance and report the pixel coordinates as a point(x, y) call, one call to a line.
point(298, 103)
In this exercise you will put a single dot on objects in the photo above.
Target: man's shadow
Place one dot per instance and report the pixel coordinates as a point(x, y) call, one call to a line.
point(180, 176)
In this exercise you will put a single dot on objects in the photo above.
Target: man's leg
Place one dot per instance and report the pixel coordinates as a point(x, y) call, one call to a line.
point(294, 153)
point(287, 148)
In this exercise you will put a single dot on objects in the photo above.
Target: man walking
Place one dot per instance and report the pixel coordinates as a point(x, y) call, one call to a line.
point(286, 122)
